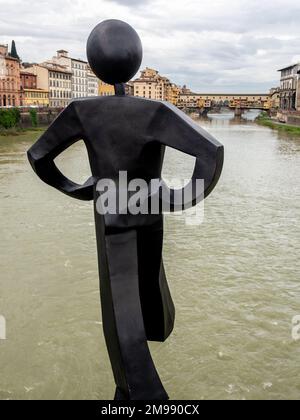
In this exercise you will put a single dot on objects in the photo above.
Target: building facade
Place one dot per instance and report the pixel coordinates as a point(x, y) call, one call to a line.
point(188, 100)
point(298, 93)
point(152, 85)
point(79, 79)
point(204, 103)
point(92, 83)
point(41, 73)
point(129, 89)
point(28, 80)
point(173, 94)
point(60, 84)
point(36, 97)
point(79, 70)
point(67, 79)
point(105, 89)
point(288, 87)
point(31, 94)
point(275, 98)
point(10, 80)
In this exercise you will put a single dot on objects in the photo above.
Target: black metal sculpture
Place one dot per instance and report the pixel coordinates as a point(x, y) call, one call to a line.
point(124, 133)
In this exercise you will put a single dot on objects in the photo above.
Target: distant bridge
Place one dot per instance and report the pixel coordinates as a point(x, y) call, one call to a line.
point(237, 102)
point(238, 110)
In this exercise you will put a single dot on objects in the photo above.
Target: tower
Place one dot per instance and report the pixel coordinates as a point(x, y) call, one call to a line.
point(13, 52)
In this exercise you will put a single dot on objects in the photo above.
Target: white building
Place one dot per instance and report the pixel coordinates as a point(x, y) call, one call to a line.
point(79, 70)
point(93, 83)
point(79, 79)
point(288, 87)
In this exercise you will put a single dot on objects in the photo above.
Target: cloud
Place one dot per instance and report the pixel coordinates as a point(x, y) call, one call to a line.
point(130, 2)
point(220, 45)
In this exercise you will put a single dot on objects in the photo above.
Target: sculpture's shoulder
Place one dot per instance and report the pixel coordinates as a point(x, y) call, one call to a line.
point(116, 102)
point(81, 103)
point(169, 108)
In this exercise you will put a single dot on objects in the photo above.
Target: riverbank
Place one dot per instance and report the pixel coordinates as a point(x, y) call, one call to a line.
point(264, 120)
point(8, 132)
point(16, 121)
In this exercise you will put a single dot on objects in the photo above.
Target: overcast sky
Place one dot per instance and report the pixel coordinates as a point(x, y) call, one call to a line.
point(212, 46)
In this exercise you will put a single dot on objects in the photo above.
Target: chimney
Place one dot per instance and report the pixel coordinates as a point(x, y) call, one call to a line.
point(62, 53)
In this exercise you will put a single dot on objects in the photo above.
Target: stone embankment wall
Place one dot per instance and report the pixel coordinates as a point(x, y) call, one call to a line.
point(45, 116)
point(289, 117)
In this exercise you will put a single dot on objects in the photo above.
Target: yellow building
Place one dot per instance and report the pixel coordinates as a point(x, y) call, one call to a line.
point(149, 85)
point(204, 103)
point(152, 85)
point(189, 100)
point(105, 89)
point(36, 97)
point(172, 94)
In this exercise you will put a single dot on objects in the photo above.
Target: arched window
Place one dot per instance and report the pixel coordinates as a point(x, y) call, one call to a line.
point(9, 101)
point(14, 101)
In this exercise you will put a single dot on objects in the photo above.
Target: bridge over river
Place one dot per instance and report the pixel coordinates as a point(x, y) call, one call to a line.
point(237, 102)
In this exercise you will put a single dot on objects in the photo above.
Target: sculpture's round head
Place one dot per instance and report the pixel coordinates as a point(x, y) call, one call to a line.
point(114, 51)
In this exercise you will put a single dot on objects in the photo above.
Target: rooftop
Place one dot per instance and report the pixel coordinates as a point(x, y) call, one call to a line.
point(65, 54)
point(28, 73)
point(9, 57)
point(55, 67)
point(79, 60)
point(289, 67)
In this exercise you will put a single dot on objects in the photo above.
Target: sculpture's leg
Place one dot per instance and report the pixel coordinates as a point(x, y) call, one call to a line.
point(157, 305)
point(119, 396)
point(134, 371)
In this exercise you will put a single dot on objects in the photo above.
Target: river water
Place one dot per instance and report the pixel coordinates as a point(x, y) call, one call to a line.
point(235, 279)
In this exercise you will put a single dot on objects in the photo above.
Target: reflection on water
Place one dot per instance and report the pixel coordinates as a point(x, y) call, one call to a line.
point(234, 279)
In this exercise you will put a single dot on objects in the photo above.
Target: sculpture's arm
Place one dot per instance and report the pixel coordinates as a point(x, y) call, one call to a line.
point(176, 130)
point(61, 134)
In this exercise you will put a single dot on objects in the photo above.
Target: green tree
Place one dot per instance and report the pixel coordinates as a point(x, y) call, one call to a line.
point(9, 118)
point(13, 52)
point(34, 117)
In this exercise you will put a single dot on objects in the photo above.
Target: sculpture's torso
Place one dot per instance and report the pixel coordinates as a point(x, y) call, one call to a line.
point(118, 135)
